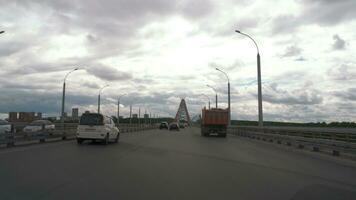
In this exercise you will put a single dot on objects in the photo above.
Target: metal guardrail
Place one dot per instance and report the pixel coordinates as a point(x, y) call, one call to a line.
point(16, 137)
point(336, 140)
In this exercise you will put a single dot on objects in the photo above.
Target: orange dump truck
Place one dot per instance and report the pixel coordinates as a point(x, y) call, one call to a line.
point(214, 121)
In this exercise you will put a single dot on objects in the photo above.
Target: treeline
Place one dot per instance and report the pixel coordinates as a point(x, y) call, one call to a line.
point(309, 124)
point(142, 120)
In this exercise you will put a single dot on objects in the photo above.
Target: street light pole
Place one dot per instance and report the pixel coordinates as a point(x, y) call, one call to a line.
point(259, 90)
point(63, 100)
point(130, 114)
point(118, 109)
point(139, 116)
point(228, 93)
point(101, 89)
point(216, 95)
point(208, 99)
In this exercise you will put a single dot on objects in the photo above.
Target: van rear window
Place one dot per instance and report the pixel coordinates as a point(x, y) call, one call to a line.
point(91, 119)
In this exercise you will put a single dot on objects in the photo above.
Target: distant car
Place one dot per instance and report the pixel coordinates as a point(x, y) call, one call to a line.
point(37, 125)
point(174, 126)
point(5, 127)
point(163, 125)
point(95, 126)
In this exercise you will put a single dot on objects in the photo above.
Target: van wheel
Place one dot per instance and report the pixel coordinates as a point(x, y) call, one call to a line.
point(106, 140)
point(117, 138)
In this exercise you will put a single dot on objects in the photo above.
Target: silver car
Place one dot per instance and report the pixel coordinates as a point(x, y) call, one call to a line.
point(5, 127)
point(37, 125)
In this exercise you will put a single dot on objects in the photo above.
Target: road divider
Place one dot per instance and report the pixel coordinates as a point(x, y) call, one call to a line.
point(331, 140)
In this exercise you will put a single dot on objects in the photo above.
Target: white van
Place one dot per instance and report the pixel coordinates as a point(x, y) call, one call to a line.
point(95, 126)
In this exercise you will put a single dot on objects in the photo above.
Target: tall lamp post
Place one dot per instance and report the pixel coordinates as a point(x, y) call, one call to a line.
point(228, 93)
point(216, 95)
point(118, 109)
point(101, 89)
point(208, 99)
point(260, 110)
point(63, 99)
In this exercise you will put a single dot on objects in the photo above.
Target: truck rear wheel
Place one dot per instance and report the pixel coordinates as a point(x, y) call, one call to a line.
point(204, 132)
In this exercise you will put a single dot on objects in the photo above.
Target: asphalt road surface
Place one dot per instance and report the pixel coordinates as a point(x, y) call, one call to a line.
point(173, 165)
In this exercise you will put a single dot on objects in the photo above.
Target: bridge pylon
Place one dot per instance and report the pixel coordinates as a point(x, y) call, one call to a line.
point(182, 113)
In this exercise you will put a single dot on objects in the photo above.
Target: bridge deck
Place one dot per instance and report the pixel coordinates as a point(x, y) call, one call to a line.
point(173, 165)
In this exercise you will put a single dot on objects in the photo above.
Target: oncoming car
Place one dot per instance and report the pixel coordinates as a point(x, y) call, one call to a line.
point(95, 126)
point(38, 125)
point(5, 127)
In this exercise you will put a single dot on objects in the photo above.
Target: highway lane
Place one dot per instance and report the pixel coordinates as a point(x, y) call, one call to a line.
point(173, 165)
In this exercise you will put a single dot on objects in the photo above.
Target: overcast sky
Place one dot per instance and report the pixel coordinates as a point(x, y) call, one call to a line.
point(159, 51)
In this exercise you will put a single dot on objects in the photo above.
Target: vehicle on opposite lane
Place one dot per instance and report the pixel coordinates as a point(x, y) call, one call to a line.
point(5, 127)
point(95, 126)
point(38, 125)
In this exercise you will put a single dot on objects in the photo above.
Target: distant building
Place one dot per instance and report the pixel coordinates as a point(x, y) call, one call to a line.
point(135, 116)
point(12, 116)
point(24, 116)
point(75, 113)
point(146, 116)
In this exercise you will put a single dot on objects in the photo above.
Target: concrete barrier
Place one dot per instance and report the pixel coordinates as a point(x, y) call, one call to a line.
point(19, 138)
point(335, 141)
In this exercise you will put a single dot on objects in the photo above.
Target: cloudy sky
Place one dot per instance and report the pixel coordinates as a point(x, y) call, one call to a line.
point(159, 51)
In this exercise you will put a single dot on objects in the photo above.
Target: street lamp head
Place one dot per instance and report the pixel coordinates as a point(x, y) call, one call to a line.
point(237, 31)
point(2, 32)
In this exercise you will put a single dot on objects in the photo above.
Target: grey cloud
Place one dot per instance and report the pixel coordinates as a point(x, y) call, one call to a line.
point(186, 77)
point(291, 77)
point(321, 12)
point(328, 12)
point(34, 101)
point(301, 96)
point(247, 23)
point(144, 80)
point(344, 72)
point(235, 65)
point(292, 51)
point(301, 58)
point(111, 25)
point(7, 49)
point(108, 73)
point(197, 8)
point(20, 86)
point(349, 94)
point(339, 43)
point(284, 24)
point(90, 85)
